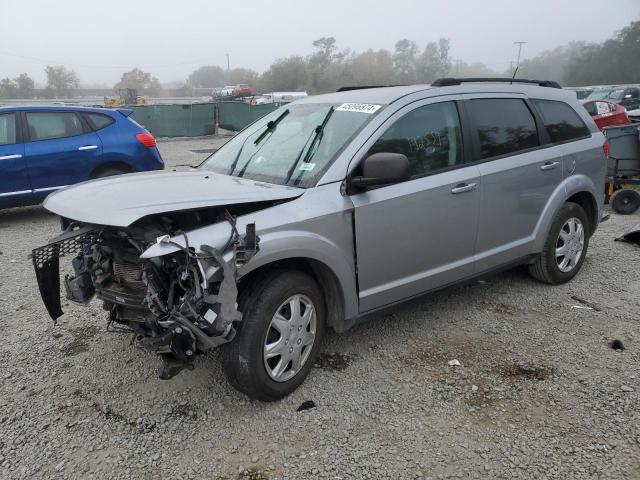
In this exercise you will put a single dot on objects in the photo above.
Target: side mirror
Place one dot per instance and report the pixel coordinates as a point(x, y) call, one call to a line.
point(382, 169)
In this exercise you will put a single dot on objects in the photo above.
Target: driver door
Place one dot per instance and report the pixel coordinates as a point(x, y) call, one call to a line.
point(418, 235)
point(15, 187)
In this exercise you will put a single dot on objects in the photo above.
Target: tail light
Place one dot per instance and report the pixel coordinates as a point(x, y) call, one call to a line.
point(146, 139)
point(605, 149)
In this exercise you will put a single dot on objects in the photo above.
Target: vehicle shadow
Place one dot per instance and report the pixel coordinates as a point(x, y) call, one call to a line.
point(481, 294)
point(13, 216)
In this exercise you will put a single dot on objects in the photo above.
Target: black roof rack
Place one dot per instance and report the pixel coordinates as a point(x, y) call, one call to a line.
point(362, 87)
point(448, 82)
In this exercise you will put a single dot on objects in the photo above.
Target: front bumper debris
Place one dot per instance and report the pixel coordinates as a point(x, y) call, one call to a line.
point(47, 265)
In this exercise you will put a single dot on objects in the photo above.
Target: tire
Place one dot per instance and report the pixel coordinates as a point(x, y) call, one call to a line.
point(548, 267)
point(244, 361)
point(625, 202)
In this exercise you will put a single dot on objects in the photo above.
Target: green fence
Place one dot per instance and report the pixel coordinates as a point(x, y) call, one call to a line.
point(175, 120)
point(197, 119)
point(237, 115)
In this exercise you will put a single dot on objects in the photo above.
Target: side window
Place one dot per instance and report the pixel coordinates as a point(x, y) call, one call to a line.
point(429, 136)
point(603, 107)
point(561, 121)
point(634, 92)
point(46, 125)
point(503, 125)
point(99, 121)
point(591, 109)
point(7, 129)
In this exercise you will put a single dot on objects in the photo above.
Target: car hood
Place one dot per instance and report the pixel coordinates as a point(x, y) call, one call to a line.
point(121, 200)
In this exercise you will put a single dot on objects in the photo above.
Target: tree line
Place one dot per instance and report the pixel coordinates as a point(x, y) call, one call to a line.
point(328, 67)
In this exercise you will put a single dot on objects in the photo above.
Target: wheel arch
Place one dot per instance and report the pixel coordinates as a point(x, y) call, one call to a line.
point(325, 276)
point(110, 165)
point(577, 188)
point(588, 203)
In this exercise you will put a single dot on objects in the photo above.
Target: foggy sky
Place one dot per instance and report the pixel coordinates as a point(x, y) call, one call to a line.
point(101, 39)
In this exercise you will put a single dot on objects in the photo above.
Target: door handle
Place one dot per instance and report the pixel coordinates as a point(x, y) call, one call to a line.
point(88, 147)
point(549, 166)
point(464, 187)
point(10, 157)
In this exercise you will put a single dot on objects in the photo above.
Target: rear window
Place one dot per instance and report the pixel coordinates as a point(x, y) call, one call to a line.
point(99, 121)
point(562, 122)
point(47, 125)
point(503, 126)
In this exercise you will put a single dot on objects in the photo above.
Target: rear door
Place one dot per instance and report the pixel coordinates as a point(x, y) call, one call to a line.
point(15, 188)
point(420, 234)
point(62, 149)
point(565, 128)
point(518, 175)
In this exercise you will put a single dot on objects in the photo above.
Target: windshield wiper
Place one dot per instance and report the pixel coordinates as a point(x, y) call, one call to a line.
point(235, 160)
point(271, 126)
point(317, 136)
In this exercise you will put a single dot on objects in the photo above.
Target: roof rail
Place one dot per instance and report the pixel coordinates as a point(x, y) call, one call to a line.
point(362, 87)
point(447, 82)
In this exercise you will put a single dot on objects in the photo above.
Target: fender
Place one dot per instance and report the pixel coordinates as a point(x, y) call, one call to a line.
point(288, 244)
point(283, 243)
point(569, 187)
point(276, 246)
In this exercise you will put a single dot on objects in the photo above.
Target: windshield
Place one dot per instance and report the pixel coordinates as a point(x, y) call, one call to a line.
point(606, 94)
point(293, 145)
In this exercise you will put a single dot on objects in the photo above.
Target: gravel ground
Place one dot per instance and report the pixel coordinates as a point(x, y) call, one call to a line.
point(539, 392)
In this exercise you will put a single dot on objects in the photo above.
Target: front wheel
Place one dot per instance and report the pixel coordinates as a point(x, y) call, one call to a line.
point(565, 248)
point(279, 336)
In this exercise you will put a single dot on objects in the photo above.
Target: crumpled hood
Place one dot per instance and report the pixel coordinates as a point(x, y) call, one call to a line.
point(121, 200)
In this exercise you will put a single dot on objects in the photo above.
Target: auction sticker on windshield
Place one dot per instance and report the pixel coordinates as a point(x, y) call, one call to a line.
point(358, 107)
point(307, 166)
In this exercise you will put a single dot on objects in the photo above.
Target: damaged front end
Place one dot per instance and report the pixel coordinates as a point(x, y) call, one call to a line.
point(176, 305)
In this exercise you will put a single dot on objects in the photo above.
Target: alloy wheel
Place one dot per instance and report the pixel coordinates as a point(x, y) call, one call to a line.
point(569, 245)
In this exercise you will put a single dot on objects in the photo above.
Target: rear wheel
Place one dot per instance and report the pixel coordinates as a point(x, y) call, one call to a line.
point(108, 172)
point(279, 336)
point(565, 248)
point(625, 202)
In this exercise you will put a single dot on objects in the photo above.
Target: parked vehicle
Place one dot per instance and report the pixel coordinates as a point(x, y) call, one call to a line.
point(283, 97)
point(327, 211)
point(581, 92)
point(634, 115)
point(242, 90)
point(43, 149)
point(606, 113)
point(626, 95)
point(226, 91)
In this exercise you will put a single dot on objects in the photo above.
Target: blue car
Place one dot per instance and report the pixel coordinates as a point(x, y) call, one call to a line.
point(45, 148)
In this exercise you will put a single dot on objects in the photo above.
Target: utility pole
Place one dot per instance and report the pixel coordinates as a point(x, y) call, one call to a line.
point(519, 52)
point(227, 61)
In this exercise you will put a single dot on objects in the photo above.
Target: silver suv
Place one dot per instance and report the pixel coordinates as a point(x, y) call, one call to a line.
point(326, 211)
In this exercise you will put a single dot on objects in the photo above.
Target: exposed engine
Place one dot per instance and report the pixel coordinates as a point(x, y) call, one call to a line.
point(174, 305)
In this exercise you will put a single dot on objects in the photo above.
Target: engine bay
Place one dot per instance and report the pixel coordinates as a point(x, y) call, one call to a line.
point(177, 305)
